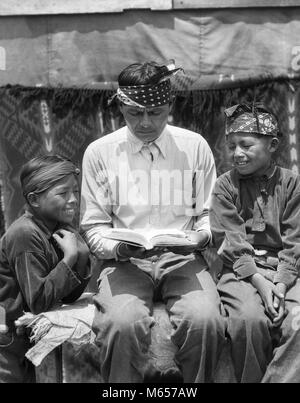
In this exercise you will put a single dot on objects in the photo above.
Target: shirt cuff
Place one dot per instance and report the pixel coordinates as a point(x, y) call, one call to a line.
point(209, 240)
point(244, 267)
point(84, 273)
point(118, 257)
point(286, 275)
point(107, 249)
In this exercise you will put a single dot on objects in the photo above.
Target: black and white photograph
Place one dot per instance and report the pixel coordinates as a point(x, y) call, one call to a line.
point(149, 194)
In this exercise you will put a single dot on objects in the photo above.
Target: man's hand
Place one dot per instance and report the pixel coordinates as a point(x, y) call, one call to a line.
point(198, 239)
point(127, 251)
point(268, 291)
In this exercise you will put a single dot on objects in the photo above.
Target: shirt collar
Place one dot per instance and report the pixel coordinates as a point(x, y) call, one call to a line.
point(136, 144)
point(47, 232)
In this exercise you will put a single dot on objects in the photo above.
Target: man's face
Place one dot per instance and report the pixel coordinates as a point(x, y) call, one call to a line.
point(146, 124)
point(249, 153)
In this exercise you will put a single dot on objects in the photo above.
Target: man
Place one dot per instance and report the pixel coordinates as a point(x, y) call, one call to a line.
point(151, 175)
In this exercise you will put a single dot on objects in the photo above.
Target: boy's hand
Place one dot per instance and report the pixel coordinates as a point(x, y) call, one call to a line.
point(127, 251)
point(267, 290)
point(83, 249)
point(279, 305)
point(198, 239)
point(67, 241)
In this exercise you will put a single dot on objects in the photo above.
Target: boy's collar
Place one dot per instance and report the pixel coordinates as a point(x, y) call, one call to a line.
point(40, 223)
point(268, 174)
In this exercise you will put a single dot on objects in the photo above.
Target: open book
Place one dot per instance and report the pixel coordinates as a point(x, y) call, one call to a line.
point(150, 238)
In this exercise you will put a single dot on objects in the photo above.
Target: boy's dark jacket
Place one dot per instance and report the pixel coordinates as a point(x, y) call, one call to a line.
point(253, 214)
point(33, 276)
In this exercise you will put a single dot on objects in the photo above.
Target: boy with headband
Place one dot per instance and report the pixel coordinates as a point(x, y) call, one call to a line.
point(43, 260)
point(151, 175)
point(255, 220)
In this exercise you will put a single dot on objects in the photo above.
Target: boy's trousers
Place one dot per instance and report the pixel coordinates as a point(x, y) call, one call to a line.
point(14, 367)
point(261, 352)
point(123, 320)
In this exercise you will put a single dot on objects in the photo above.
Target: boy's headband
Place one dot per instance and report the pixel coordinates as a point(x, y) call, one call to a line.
point(157, 93)
point(45, 177)
point(253, 119)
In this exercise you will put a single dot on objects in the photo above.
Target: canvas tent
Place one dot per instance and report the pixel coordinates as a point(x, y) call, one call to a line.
point(58, 67)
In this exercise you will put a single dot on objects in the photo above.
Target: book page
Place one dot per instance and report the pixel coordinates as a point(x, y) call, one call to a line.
point(150, 238)
point(133, 237)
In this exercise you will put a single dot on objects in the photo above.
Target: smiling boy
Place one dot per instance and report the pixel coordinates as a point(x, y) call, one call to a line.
point(43, 261)
point(255, 221)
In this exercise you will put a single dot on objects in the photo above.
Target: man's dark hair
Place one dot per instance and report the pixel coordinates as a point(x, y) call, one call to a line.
point(141, 74)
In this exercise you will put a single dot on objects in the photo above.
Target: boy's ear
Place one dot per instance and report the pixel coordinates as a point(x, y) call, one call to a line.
point(32, 199)
point(273, 145)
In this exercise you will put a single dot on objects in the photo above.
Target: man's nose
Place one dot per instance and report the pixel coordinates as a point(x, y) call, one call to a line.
point(145, 122)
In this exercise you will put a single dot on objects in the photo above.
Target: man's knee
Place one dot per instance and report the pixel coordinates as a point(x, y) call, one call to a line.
point(249, 320)
point(125, 316)
point(204, 316)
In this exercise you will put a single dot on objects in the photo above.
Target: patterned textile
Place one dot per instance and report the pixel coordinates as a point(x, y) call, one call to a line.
point(32, 129)
point(155, 93)
point(250, 119)
point(145, 95)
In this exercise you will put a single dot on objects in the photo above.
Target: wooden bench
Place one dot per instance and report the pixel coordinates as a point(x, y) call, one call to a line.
point(68, 365)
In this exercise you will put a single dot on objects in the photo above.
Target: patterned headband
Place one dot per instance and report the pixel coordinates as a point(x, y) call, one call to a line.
point(157, 93)
point(253, 119)
point(145, 95)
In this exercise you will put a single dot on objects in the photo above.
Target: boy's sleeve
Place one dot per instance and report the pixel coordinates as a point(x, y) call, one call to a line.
point(41, 285)
point(289, 257)
point(83, 273)
point(96, 207)
point(229, 232)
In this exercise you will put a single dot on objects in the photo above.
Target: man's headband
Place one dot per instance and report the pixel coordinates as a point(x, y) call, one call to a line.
point(157, 93)
point(45, 177)
point(253, 119)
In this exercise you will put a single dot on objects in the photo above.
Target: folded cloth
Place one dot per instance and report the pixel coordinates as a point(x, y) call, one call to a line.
point(72, 323)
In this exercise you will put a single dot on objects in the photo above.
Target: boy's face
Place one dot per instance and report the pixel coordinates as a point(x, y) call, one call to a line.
point(250, 153)
point(59, 203)
point(146, 124)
